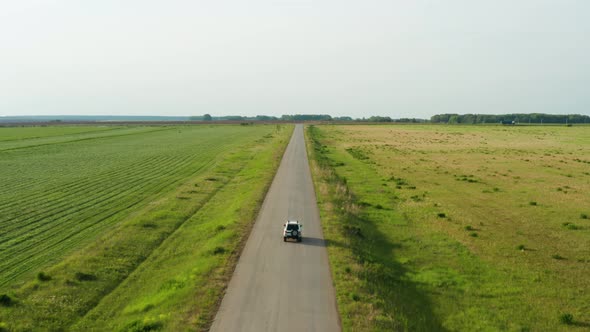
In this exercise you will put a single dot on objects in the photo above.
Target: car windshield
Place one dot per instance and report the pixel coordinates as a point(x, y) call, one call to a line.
point(291, 227)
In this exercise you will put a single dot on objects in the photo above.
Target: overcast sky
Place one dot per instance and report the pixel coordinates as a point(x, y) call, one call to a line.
point(397, 58)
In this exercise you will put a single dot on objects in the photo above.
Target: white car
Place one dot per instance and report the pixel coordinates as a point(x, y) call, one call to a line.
point(293, 230)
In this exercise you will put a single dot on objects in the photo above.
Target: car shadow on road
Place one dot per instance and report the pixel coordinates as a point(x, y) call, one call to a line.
point(314, 241)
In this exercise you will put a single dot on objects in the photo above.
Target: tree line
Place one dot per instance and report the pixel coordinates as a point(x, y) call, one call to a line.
point(510, 118)
point(303, 117)
point(449, 118)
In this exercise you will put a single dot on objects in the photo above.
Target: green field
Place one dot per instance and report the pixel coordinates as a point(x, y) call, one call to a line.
point(135, 226)
point(459, 228)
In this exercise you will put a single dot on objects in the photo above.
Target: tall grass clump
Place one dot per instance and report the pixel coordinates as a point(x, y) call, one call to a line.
point(42, 276)
point(6, 300)
point(566, 318)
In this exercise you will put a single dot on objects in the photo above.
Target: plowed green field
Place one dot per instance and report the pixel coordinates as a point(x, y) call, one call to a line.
point(70, 197)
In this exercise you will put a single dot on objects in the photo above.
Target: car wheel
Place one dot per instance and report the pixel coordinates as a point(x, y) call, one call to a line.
point(284, 239)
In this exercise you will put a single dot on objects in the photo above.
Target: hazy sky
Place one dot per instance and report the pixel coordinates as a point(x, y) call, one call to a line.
point(398, 58)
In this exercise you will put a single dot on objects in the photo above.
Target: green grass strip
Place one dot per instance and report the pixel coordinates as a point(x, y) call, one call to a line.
point(371, 293)
point(179, 287)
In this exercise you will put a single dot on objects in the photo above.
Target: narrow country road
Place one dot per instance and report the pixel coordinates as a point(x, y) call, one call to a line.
point(283, 286)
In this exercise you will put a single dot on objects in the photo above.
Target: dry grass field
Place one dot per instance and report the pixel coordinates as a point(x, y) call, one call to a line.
point(489, 226)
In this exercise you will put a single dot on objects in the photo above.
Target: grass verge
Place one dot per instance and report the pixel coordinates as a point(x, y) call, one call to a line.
point(371, 291)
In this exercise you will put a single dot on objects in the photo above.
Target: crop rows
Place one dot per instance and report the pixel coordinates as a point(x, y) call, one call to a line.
point(29, 142)
point(33, 179)
point(28, 133)
point(32, 206)
point(67, 193)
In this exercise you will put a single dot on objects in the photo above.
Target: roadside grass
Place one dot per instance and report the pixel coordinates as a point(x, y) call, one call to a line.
point(444, 246)
point(198, 258)
point(371, 289)
point(64, 293)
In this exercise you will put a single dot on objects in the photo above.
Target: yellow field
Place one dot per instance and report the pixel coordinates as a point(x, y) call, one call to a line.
point(516, 198)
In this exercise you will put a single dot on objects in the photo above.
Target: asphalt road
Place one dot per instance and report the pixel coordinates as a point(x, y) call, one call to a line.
point(283, 286)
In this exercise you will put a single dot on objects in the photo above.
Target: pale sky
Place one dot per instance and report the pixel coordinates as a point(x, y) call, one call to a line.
point(397, 58)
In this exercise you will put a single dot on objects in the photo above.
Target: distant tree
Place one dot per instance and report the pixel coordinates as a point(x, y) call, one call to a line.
point(518, 117)
point(442, 118)
point(207, 117)
point(468, 118)
point(233, 118)
point(453, 119)
point(411, 120)
point(380, 119)
point(342, 118)
point(265, 118)
point(306, 117)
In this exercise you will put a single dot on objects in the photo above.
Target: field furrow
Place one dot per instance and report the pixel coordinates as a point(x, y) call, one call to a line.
point(143, 169)
point(31, 191)
point(44, 142)
point(73, 190)
point(33, 188)
point(62, 221)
